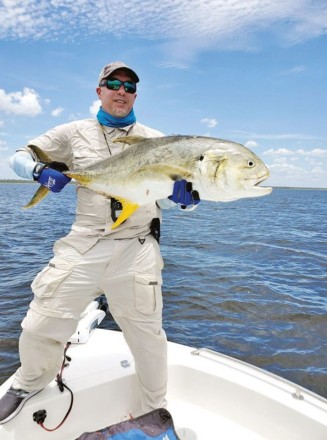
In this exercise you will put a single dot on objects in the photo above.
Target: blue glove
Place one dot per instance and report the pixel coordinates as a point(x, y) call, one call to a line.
point(184, 195)
point(50, 175)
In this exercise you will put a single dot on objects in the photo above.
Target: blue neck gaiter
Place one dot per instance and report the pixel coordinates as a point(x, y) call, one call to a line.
point(112, 121)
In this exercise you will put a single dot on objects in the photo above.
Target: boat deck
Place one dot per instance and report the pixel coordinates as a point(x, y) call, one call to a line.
point(210, 397)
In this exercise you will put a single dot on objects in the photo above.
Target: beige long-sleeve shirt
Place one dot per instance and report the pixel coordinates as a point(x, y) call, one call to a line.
point(80, 144)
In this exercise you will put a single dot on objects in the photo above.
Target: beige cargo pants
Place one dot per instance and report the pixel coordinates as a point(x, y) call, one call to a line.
point(128, 272)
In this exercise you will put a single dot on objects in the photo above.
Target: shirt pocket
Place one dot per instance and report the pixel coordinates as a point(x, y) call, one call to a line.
point(47, 282)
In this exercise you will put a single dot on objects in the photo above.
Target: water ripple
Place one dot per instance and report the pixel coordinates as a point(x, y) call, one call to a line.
point(246, 278)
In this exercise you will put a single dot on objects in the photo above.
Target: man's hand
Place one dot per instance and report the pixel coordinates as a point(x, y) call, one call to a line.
point(50, 175)
point(184, 195)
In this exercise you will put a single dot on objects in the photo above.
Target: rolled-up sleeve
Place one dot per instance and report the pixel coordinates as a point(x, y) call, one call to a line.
point(23, 164)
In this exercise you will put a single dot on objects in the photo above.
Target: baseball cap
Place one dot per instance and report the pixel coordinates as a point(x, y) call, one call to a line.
point(109, 69)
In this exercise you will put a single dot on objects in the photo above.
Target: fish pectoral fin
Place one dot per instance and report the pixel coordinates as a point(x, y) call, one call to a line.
point(128, 209)
point(217, 154)
point(38, 196)
point(130, 140)
point(174, 172)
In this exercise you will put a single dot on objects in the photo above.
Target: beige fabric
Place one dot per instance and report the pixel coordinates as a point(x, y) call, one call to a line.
point(109, 69)
point(92, 260)
point(80, 144)
point(129, 273)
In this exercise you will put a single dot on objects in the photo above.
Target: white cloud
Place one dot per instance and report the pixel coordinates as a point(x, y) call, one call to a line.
point(3, 146)
point(302, 168)
point(318, 171)
point(20, 103)
point(75, 116)
point(278, 152)
point(251, 144)
point(94, 108)
point(283, 166)
point(209, 122)
point(276, 137)
point(294, 70)
point(317, 152)
point(57, 112)
point(191, 25)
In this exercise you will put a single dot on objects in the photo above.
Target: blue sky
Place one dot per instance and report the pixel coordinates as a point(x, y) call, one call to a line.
point(251, 71)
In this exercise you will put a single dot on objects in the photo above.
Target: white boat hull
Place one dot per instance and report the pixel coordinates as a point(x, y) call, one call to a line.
point(210, 396)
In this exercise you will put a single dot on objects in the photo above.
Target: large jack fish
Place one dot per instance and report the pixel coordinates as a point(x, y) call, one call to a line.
point(221, 171)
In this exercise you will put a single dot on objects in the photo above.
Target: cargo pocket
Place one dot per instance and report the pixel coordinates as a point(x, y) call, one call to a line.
point(51, 277)
point(148, 296)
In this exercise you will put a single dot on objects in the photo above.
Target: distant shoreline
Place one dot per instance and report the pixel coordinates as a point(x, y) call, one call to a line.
point(17, 181)
point(281, 187)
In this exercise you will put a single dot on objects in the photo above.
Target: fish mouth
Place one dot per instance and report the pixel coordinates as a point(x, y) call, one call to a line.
point(253, 184)
point(261, 179)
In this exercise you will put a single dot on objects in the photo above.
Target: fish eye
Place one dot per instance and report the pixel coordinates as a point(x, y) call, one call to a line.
point(251, 164)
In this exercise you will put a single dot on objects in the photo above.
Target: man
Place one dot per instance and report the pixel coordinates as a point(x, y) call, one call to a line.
point(125, 263)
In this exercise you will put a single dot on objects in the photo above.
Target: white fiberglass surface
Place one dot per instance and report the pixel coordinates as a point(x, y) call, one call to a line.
point(203, 403)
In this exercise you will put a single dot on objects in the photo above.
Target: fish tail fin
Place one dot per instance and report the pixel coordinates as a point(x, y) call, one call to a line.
point(38, 196)
point(128, 209)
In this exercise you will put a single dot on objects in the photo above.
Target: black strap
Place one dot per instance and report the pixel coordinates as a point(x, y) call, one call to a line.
point(116, 206)
point(155, 228)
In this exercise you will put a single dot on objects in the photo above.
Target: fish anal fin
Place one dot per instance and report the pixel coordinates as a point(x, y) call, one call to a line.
point(128, 209)
point(130, 140)
point(38, 196)
point(173, 172)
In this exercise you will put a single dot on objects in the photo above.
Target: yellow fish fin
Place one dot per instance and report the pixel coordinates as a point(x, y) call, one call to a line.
point(128, 209)
point(130, 140)
point(81, 178)
point(38, 196)
point(42, 155)
point(174, 172)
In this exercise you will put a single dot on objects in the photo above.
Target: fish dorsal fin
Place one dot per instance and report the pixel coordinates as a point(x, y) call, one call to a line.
point(174, 172)
point(38, 196)
point(130, 140)
point(42, 155)
point(128, 209)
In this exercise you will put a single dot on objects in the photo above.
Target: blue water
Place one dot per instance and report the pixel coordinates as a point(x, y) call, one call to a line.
point(246, 278)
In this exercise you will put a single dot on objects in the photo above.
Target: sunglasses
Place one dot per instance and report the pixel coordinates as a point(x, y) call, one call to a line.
point(115, 84)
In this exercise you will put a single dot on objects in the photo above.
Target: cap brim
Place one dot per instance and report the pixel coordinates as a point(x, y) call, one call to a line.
point(129, 71)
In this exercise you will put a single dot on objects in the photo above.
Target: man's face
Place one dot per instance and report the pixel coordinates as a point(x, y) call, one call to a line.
point(117, 102)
